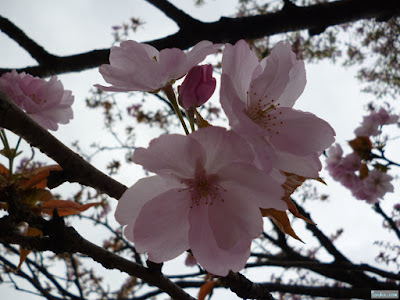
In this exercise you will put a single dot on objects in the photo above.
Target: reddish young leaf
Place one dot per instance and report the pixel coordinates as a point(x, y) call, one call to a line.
point(280, 219)
point(362, 146)
point(206, 289)
point(65, 207)
point(23, 253)
point(4, 171)
point(38, 178)
point(293, 181)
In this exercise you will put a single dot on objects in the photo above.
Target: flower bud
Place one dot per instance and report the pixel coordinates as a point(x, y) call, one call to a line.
point(197, 87)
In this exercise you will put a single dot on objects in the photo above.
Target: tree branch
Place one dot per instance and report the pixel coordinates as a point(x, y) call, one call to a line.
point(36, 51)
point(75, 168)
point(60, 238)
point(391, 223)
point(232, 29)
point(180, 17)
point(244, 288)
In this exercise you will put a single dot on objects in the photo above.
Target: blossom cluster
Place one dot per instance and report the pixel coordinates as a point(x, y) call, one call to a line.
point(211, 186)
point(46, 102)
point(352, 170)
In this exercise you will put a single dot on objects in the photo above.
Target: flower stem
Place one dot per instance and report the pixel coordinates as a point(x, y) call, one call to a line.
point(169, 92)
point(190, 115)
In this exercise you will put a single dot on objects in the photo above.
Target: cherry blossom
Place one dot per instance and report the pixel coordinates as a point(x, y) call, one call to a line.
point(371, 124)
point(140, 67)
point(205, 197)
point(46, 102)
point(197, 88)
point(258, 97)
point(353, 174)
point(373, 187)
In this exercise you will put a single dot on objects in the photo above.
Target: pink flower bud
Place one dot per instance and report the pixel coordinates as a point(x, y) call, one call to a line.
point(197, 87)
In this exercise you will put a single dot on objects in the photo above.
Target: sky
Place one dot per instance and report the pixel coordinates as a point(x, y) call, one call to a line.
point(70, 27)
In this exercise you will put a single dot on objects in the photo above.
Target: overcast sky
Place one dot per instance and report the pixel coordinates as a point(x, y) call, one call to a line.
point(70, 27)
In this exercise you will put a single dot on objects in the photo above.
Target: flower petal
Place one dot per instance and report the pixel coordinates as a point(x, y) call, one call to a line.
point(205, 249)
point(257, 187)
point(283, 79)
point(239, 63)
point(132, 201)
point(171, 154)
point(301, 133)
point(223, 147)
point(162, 226)
point(234, 219)
point(234, 109)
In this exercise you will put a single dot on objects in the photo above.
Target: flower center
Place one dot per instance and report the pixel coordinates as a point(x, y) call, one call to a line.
point(37, 100)
point(204, 189)
point(265, 115)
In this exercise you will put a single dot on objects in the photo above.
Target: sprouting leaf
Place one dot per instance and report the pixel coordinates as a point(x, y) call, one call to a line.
point(38, 178)
point(65, 207)
point(362, 146)
point(23, 253)
point(206, 289)
point(4, 171)
point(280, 219)
point(293, 181)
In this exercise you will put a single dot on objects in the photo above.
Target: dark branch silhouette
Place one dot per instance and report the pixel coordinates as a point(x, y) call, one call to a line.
point(227, 30)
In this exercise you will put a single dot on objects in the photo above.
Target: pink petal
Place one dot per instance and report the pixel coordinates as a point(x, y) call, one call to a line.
point(199, 52)
point(239, 63)
point(307, 166)
point(301, 133)
point(171, 154)
point(234, 109)
point(258, 188)
point(283, 79)
point(205, 249)
point(132, 201)
point(223, 147)
point(234, 220)
point(162, 226)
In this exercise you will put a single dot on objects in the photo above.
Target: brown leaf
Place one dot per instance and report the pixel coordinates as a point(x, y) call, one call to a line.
point(23, 253)
point(362, 146)
point(280, 219)
point(293, 181)
point(33, 196)
point(38, 178)
point(4, 171)
point(206, 289)
point(65, 207)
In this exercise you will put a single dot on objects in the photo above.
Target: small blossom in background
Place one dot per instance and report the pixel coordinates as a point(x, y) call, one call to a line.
point(371, 124)
point(140, 67)
point(258, 97)
point(46, 102)
point(197, 88)
point(352, 170)
point(206, 197)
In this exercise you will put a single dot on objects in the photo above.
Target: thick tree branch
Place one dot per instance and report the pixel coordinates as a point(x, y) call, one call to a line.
point(180, 17)
point(76, 169)
point(244, 288)
point(36, 51)
point(230, 30)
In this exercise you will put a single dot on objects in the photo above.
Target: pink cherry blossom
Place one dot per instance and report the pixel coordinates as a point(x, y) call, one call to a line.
point(140, 67)
point(197, 88)
point(258, 97)
point(46, 102)
point(205, 197)
point(373, 187)
point(371, 124)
